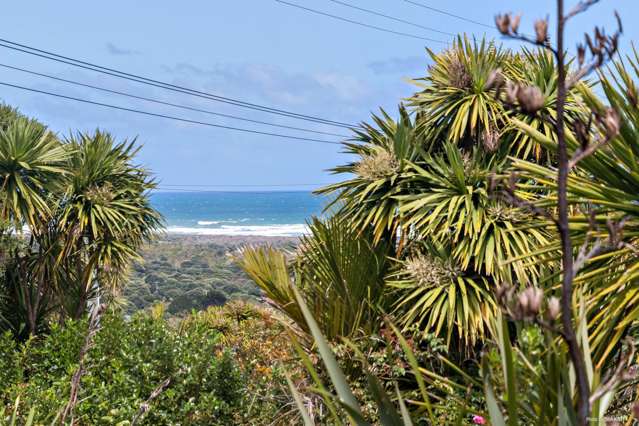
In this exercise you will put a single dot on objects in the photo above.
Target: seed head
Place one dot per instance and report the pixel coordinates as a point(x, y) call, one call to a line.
point(100, 195)
point(529, 303)
point(514, 23)
point(581, 54)
point(503, 23)
point(530, 99)
point(377, 165)
point(490, 139)
point(522, 302)
point(535, 297)
point(428, 271)
point(541, 30)
point(511, 92)
point(495, 80)
point(458, 75)
point(553, 308)
point(612, 122)
point(500, 291)
point(504, 213)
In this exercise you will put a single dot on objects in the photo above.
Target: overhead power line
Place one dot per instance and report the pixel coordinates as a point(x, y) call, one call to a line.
point(152, 114)
point(351, 21)
point(166, 186)
point(164, 85)
point(372, 12)
point(143, 98)
point(205, 191)
point(443, 12)
point(230, 187)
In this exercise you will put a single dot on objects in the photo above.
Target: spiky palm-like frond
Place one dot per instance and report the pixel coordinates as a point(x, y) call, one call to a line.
point(338, 270)
point(608, 183)
point(431, 289)
point(106, 214)
point(9, 115)
point(383, 151)
point(31, 282)
point(463, 98)
point(32, 164)
point(450, 202)
point(456, 100)
point(537, 68)
point(106, 191)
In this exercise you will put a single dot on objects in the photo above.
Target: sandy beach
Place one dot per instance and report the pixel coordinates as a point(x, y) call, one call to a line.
point(226, 240)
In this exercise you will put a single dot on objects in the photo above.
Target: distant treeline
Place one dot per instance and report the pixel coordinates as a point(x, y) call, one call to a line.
point(188, 274)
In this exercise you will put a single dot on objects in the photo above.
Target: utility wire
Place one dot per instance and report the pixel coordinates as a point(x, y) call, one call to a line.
point(351, 21)
point(152, 114)
point(352, 6)
point(221, 187)
point(167, 186)
point(443, 12)
point(163, 85)
point(77, 83)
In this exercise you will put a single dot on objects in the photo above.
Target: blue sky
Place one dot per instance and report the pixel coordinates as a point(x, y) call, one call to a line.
point(258, 51)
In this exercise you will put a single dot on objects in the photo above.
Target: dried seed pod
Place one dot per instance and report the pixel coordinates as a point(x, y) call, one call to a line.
point(535, 297)
point(600, 38)
point(490, 140)
point(503, 23)
point(581, 54)
point(593, 49)
point(501, 293)
point(512, 180)
point(522, 302)
point(612, 122)
point(530, 99)
point(511, 92)
point(553, 308)
point(541, 30)
point(495, 80)
point(514, 23)
point(614, 44)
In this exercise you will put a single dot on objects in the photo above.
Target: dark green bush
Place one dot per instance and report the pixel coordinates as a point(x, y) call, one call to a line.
point(187, 275)
point(10, 371)
point(127, 361)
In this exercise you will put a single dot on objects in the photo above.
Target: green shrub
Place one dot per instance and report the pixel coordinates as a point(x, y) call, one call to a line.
point(10, 372)
point(127, 361)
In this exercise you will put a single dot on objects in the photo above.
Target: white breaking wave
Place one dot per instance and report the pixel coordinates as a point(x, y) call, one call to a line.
point(294, 230)
point(217, 222)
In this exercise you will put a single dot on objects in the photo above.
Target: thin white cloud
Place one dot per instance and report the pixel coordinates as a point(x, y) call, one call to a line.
point(120, 51)
point(399, 65)
point(317, 92)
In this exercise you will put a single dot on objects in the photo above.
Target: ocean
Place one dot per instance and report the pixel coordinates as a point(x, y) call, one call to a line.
point(275, 214)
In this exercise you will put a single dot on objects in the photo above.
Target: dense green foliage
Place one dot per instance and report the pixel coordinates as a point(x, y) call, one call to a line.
point(219, 373)
point(427, 295)
point(462, 186)
point(189, 273)
point(341, 272)
point(77, 211)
